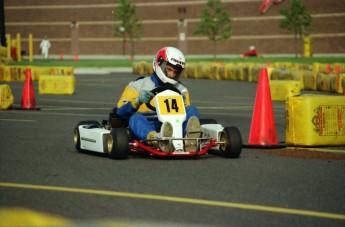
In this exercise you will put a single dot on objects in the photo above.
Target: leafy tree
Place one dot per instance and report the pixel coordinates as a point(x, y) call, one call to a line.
point(128, 26)
point(297, 20)
point(215, 24)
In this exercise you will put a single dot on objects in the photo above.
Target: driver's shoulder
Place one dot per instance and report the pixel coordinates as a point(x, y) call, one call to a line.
point(142, 83)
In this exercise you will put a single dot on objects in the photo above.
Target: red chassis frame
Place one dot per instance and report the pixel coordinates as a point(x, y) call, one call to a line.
point(153, 151)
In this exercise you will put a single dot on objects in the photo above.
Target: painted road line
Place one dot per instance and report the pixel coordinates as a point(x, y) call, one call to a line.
point(244, 206)
point(75, 101)
point(225, 107)
point(342, 151)
point(17, 120)
point(63, 108)
point(59, 114)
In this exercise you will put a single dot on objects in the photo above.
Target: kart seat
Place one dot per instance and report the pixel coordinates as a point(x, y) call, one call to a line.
point(116, 121)
point(93, 126)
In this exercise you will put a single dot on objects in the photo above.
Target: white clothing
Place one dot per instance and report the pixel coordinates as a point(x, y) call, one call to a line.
point(45, 45)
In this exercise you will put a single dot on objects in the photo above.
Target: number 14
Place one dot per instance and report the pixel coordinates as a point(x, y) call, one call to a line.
point(171, 104)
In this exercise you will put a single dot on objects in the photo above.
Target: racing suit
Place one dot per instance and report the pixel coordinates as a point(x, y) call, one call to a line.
point(142, 120)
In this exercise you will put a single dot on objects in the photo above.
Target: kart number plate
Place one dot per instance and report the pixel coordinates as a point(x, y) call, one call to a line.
point(171, 105)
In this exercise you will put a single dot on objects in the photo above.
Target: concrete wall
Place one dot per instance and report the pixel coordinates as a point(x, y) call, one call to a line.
point(160, 26)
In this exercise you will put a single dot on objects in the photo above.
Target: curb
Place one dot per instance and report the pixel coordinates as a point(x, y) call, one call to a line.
point(92, 70)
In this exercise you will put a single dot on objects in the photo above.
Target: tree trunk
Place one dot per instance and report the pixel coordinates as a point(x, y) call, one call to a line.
point(132, 48)
point(215, 50)
point(296, 45)
point(124, 44)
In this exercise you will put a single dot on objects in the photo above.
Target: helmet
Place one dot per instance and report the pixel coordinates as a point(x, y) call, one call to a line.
point(164, 56)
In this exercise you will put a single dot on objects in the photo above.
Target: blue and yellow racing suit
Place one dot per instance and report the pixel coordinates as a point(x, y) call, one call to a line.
point(142, 120)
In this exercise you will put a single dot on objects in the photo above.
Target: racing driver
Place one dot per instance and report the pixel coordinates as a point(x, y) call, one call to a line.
point(168, 65)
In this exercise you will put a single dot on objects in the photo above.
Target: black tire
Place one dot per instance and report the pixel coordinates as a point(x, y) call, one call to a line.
point(232, 139)
point(208, 121)
point(118, 144)
point(76, 137)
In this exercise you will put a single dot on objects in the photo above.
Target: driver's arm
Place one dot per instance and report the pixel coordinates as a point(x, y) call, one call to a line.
point(127, 104)
point(186, 98)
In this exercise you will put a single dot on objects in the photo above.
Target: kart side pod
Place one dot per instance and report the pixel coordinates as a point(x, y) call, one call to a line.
point(212, 131)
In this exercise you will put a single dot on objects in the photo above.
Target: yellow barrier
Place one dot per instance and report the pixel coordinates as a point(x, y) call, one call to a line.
point(6, 74)
point(63, 71)
point(276, 74)
point(240, 73)
point(284, 65)
point(309, 80)
point(214, 71)
point(248, 72)
point(142, 68)
point(6, 97)
point(230, 69)
point(303, 67)
point(205, 71)
point(222, 72)
point(310, 77)
point(315, 120)
point(17, 73)
point(298, 75)
point(3, 51)
point(324, 81)
point(338, 83)
point(187, 71)
point(57, 85)
point(255, 73)
point(281, 90)
point(339, 68)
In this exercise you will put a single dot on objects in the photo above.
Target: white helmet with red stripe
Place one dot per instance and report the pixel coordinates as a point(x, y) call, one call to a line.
point(168, 55)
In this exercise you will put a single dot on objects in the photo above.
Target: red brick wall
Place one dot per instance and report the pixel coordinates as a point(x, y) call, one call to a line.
point(160, 19)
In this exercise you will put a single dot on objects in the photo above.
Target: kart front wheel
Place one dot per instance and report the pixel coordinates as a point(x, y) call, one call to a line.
point(76, 136)
point(117, 144)
point(231, 145)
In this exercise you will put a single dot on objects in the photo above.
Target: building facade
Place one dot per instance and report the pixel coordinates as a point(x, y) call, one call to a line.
point(85, 27)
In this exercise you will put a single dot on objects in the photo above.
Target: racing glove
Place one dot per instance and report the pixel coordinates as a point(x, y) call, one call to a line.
point(144, 97)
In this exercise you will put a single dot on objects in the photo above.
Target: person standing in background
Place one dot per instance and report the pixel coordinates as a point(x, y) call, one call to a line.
point(45, 45)
point(251, 53)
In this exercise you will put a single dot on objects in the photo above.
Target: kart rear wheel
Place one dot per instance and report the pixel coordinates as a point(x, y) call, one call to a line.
point(117, 144)
point(76, 136)
point(232, 142)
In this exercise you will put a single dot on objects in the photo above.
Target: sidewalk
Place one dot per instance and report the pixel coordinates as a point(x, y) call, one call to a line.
point(106, 70)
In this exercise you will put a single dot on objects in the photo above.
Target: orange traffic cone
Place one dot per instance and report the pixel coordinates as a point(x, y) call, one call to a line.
point(263, 129)
point(28, 95)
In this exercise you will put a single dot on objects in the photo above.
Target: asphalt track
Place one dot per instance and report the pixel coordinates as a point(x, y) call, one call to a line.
point(40, 171)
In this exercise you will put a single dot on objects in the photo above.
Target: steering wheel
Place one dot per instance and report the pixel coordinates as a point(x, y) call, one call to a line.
point(157, 90)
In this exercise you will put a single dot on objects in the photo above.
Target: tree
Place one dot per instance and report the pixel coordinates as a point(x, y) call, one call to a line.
point(215, 24)
point(297, 20)
point(128, 25)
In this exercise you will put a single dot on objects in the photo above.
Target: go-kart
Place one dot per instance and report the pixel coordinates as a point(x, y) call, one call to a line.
point(113, 136)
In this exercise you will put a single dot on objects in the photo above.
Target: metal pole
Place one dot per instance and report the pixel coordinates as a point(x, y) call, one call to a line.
point(30, 48)
point(2, 25)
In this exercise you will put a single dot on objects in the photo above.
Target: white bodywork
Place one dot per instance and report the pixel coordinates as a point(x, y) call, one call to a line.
point(212, 131)
point(170, 107)
point(92, 139)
